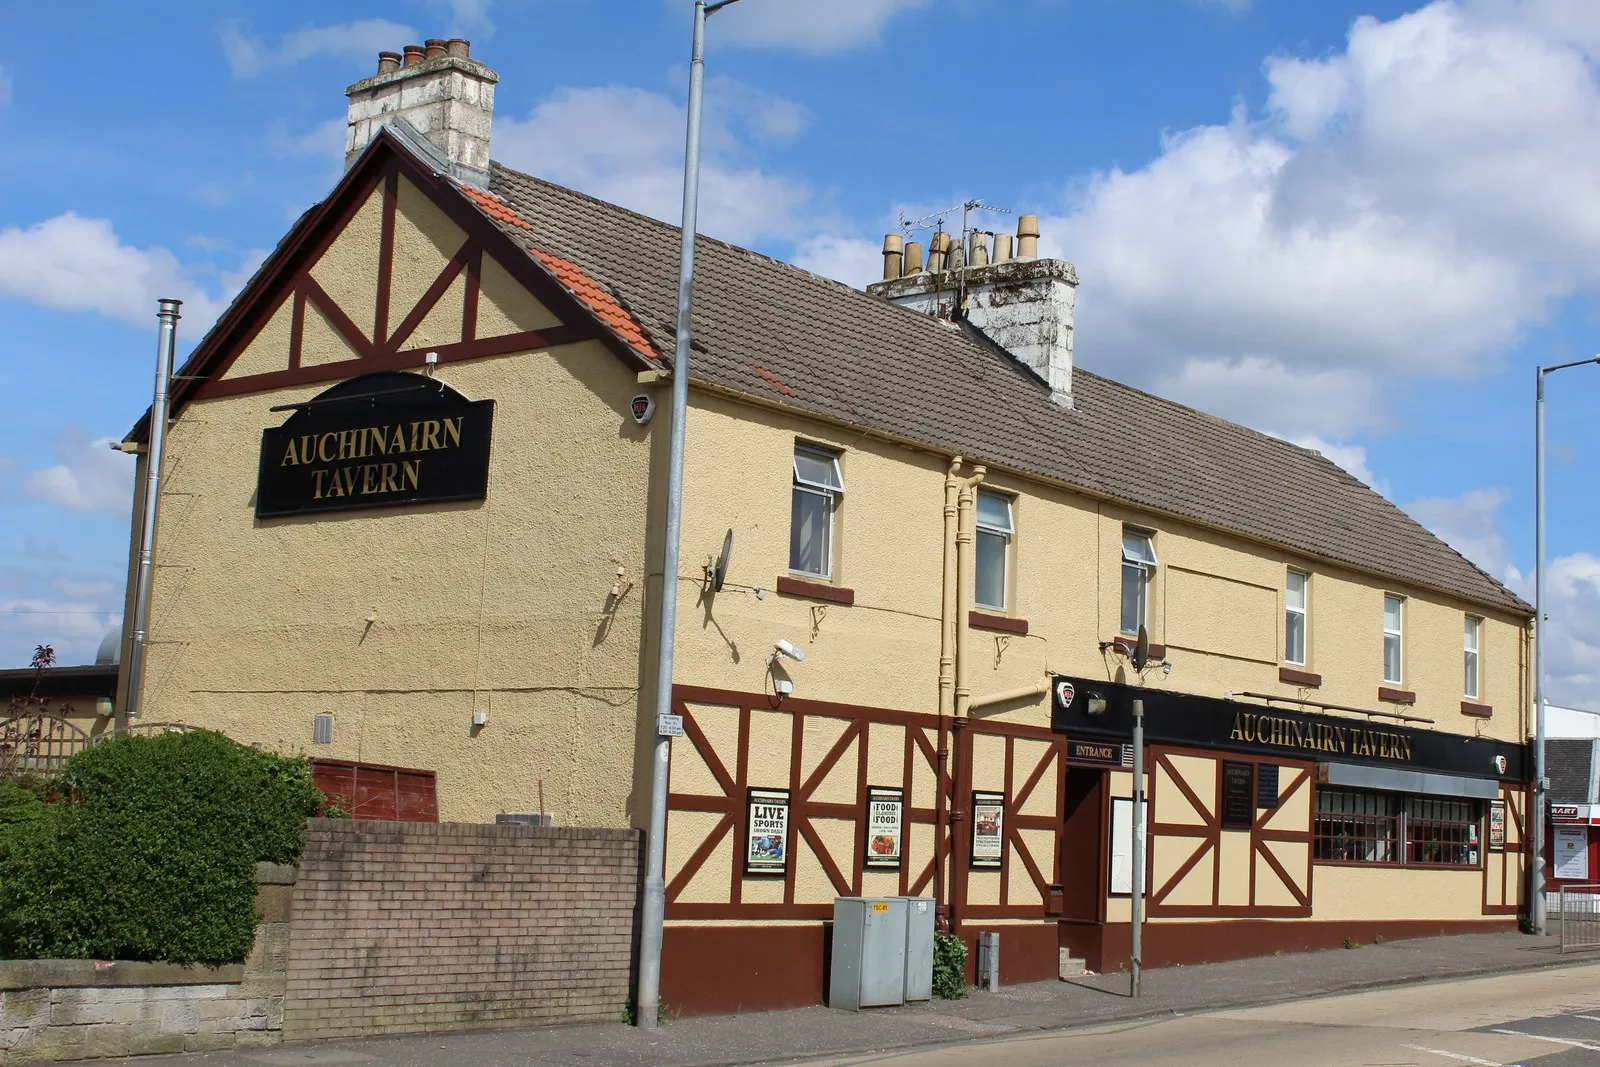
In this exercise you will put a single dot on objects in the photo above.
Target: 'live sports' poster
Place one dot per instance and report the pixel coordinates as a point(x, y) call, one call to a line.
point(767, 832)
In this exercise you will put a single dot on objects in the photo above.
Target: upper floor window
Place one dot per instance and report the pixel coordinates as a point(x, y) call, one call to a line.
point(817, 488)
point(1294, 618)
point(1469, 644)
point(994, 550)
point(1393, 633)
point(1138, 564)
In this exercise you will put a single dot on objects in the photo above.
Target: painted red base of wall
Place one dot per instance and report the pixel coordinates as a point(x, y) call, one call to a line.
point(1027, 953)
point(1106, 948)
point(725, 970)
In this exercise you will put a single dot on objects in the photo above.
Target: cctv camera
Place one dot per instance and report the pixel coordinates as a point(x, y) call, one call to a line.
point(786, 649)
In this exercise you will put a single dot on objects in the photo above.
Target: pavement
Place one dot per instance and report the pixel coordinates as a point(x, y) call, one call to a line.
point(816, 1033)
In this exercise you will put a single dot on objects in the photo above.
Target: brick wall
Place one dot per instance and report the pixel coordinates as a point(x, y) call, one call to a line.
point(407, 927)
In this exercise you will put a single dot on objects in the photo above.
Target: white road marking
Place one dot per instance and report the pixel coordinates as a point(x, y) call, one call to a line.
point(1460, 1057)
point(1552, 1040)
point(1591, 1018)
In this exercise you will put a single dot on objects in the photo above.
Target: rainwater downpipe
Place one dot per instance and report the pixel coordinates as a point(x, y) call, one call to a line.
point(166, 343)
point(947, 674)
point(965, 561)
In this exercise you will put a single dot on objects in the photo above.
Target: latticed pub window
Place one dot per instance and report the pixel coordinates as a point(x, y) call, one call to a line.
point(1441, 832)
point(1356, 827)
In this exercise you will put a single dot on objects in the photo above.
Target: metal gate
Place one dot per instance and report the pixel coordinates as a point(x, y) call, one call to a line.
point(1580, 916)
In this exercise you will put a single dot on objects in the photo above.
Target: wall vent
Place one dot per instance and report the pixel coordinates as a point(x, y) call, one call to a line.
point(322, 730)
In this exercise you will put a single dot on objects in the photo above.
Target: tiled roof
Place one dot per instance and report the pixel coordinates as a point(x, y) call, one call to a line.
point(593, 295)
point(1566, 764)
point(772, 330)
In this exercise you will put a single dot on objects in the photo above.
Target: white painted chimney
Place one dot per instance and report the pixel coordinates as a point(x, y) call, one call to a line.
point(1023, 304)
point(441, 92)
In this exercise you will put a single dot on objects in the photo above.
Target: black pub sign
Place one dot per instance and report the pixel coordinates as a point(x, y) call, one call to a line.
point(379, 440)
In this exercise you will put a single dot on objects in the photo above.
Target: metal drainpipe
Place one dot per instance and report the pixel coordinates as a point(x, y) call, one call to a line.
point(947, 664)
point(166, 343)
point(959, 833)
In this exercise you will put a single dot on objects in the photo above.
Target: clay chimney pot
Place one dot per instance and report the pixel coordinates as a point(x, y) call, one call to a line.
point(413, 54)
point(459, 48)
point(436, 47)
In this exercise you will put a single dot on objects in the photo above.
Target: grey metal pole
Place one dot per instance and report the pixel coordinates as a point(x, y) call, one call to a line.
point(1536, 821)
point(1136, 897)
point(166, 344)
point(653, 920)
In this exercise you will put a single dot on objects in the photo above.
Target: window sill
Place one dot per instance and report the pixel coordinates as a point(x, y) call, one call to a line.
point(1302, 678)
point(1126, 646)
point(1477, 711)
point(983, 620)
point(1396, 696)
point(802, 587)
point(1390, 865)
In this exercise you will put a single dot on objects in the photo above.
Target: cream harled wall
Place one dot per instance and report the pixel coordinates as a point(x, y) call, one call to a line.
point(1216, 602)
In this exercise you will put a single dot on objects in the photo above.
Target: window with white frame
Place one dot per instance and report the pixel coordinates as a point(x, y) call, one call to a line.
point(1469, 645)
point(1138, 564)
point(1294, 618)
point(994, 550)
point(818, 485)
point(1394, 609)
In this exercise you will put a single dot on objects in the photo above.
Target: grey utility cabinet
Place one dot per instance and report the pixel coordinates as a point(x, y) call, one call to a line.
point(869, 953)
point(919, 948)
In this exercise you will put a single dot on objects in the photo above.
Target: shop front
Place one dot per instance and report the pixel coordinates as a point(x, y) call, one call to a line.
point(1272, 829)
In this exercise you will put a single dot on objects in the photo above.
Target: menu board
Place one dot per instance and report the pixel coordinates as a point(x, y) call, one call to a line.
point(988, 829)
point(1238, 797)
point(885, 828)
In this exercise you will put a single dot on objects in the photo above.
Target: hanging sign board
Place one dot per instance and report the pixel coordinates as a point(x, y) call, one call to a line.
point(380, 440)
point(885, 828)
point(1097, 753)
point(1571, 847)
point(766, 838)
point(1497, 826)
point(988, 829)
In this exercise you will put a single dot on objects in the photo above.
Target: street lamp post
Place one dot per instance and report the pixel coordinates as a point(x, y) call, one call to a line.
point(653, 918)
point(1537, 907)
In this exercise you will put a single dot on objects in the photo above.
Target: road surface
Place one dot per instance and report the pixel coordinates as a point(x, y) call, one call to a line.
point(1548, 1018)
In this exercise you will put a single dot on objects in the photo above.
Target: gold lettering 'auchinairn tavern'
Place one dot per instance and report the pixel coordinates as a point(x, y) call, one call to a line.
point(365, 442)
point(1325, 737)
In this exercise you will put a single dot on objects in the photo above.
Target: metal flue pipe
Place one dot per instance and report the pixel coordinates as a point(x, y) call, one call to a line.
point(653, 919)
point(1136, 888)
point(166, 343)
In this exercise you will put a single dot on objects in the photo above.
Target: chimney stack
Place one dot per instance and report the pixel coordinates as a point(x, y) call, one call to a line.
point(1022, 303)
point(441, 92)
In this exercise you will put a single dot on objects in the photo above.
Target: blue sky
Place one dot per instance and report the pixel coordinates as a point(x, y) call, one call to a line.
point(1357, 225)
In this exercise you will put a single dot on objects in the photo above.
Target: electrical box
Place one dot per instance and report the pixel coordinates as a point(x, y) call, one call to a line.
point(919, 948)
point(869, 953)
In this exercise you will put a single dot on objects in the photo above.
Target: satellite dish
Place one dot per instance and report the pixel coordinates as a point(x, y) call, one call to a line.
point(1141, 650)
point(719, 569)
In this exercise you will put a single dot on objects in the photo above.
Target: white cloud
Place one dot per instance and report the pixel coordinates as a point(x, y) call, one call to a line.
point(249, 56)
point(625, 144)
point(1572, 640)
point(1352, 458)
point(468, 16)
point(74, 628)
point(852, 260)
point(89, 477)
point(815, 26)
point(73, 263)
point(1468, 523)
point(5, 87)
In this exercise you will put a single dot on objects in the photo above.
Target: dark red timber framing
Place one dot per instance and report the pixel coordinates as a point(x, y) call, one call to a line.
point(287, 271)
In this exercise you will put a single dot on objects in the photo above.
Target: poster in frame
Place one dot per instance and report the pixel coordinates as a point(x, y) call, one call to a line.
point(1497, 826)
point(766, 832)
point(988, 830)
point(885, 836)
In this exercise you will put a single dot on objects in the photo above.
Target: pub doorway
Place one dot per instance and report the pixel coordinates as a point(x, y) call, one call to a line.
point(1083, 845)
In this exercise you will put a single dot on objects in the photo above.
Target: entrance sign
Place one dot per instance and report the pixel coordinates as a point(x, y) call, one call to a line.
point(1098, 753)
point(885, 828)
point(988, 829)
point(1571, 848)
point(379, 440)
point(766, 838)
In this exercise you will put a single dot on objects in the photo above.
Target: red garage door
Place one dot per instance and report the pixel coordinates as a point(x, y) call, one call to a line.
point(371, 791)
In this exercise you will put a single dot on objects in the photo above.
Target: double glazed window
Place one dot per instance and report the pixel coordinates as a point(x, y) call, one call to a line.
point(1470, 643)
point(1294, 619)
point(1394, 610)
point(1138, 564)
point(994, 550)
point(1357, 826)
point(818, 485)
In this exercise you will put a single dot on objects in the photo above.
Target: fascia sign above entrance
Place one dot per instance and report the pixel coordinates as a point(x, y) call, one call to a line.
point(379, 440)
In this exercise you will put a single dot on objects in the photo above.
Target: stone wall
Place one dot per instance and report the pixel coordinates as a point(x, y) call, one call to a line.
point(408, 927)
point(84, 1009)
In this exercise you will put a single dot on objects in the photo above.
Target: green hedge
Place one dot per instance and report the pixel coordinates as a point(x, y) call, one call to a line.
point(151, 854)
